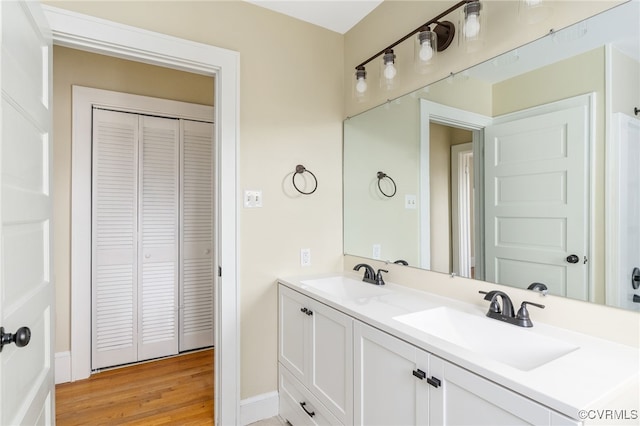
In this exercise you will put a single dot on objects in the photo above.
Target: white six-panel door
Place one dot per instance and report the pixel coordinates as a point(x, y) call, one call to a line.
point(26, 287)
point(536, 201)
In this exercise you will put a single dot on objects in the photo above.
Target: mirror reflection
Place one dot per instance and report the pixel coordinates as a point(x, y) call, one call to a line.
point(520, 170)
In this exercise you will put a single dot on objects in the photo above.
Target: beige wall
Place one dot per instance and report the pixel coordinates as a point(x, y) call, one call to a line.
point(291, 111)
point(74, 67)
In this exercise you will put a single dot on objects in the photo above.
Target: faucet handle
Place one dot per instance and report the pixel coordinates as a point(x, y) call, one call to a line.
point(523, 314)
point(379, 279)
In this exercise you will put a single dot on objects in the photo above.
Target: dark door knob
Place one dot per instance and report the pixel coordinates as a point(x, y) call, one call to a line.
point(635, 278)
point(20, 338)
point(572, 258)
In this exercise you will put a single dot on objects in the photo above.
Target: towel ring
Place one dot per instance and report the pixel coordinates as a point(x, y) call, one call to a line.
point(300, 169)
point(382, 175)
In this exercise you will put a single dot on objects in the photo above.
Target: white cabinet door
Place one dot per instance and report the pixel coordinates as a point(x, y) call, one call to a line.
point(388, 386)
point(316, 346)
point(331, 373)
point(293, 333)
point(26, 284)
point(465, 398)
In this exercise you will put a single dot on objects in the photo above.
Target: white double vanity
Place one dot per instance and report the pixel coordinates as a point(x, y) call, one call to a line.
point(355, 353)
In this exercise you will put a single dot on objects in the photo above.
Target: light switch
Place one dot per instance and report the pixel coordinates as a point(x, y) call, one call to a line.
point(252, 199)
point(410, 201)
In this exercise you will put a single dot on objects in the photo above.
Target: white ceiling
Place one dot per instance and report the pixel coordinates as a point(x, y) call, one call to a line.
point(337, 15)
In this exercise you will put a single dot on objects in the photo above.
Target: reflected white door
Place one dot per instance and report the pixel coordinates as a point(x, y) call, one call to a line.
point(536, 201)
point(26, 289)
point(628, 208)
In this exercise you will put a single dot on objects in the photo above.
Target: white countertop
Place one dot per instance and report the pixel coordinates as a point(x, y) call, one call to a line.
point(584, 379)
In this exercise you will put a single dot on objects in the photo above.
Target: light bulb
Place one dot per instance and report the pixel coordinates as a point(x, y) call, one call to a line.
point(389, 71)
point(532, 3)
point(426, 51)
point(471, 26)
point(361, 85)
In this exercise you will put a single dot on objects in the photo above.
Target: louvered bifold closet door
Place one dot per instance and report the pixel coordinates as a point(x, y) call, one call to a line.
point(114, 239)
point(196, 261)
point(158, 235)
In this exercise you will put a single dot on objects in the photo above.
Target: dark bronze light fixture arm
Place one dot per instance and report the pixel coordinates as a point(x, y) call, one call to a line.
point(416, 31)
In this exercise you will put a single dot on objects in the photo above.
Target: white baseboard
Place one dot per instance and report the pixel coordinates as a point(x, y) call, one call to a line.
point(62, 372)
point(258, 407)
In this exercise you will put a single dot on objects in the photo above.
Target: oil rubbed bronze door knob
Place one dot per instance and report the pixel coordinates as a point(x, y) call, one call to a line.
point(20, 338)
point(572, 258)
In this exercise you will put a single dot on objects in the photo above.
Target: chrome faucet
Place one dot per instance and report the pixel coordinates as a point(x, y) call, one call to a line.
point(505, 312)
point(370, 276)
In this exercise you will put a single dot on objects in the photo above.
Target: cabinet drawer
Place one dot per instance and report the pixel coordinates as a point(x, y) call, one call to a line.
point(296, 402)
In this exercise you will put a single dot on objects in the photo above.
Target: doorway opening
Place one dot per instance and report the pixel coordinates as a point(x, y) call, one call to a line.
point(100, 36)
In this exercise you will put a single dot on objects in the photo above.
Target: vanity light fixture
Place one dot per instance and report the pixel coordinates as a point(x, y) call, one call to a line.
point(360, 86)
point(472, 22)
point(388, 71)
point(431, 37)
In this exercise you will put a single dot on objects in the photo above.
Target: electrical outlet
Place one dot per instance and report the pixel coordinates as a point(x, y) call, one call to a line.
point(305, 257)
point(376, 251)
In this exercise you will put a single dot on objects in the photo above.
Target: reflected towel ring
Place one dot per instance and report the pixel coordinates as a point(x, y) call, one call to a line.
point(382, 175)
point(300, 169)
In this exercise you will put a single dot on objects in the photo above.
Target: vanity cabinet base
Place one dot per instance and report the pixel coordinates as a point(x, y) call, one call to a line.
point(298, 406)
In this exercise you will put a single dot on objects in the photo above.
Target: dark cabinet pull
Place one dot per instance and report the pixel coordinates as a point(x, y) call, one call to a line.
point(434, 382)
point(419, 374)
point(636, 298)
point(635, 278)
point(304, 407)
point(304, 310)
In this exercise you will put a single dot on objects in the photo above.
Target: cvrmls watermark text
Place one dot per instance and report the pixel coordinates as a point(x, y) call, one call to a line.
point(608, 414)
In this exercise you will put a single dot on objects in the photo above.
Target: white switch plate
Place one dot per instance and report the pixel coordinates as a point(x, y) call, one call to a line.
point(305, 257)
point(376, 251)
point(252, 198)
point(410, 201)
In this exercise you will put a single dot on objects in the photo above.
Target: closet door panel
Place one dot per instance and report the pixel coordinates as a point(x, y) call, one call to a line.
point(114, 238)
point(158, 234)
point(196, 260)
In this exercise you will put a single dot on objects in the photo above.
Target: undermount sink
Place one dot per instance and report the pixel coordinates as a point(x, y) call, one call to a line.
point(509, 344)
point(345, 288)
